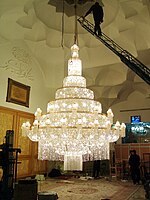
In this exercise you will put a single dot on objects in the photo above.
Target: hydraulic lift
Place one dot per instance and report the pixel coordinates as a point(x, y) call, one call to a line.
point(134, 64)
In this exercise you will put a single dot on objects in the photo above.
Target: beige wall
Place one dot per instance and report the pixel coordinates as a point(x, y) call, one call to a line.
point(17, 63)
point(136, 104)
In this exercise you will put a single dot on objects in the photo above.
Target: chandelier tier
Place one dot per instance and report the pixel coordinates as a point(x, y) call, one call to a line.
point(73, 129)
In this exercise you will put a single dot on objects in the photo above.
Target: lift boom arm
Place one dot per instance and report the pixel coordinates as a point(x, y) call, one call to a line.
point(134, 64)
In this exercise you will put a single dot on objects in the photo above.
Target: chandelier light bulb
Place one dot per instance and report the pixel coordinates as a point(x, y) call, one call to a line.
point(117, 125)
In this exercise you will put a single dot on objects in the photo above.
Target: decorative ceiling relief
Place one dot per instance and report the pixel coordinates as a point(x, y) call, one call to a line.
point(19, 64)
point(67, 6)
point(39, 24)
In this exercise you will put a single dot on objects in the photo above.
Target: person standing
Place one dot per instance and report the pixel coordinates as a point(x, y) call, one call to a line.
point(98, 15)
point(96, 168)
point(134, 164)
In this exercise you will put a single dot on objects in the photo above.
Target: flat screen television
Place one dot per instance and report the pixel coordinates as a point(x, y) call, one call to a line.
point(135, 119)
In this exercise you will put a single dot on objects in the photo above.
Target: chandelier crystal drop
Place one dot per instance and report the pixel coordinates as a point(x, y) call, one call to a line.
point(74, 129)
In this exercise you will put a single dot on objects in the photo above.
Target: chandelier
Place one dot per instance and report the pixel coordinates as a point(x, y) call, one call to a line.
point(74, 129)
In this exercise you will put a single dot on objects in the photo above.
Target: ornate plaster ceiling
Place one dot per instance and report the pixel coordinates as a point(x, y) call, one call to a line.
point(40, 25)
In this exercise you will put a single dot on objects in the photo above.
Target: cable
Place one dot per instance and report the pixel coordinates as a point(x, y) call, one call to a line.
point(62, 28)
point(76, 27)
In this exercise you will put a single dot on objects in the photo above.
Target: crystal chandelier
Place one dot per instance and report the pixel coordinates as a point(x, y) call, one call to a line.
point(74, 129)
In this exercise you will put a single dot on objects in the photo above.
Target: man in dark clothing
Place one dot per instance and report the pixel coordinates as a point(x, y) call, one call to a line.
point(96, 168)
point(98, 14)
point(134, 163)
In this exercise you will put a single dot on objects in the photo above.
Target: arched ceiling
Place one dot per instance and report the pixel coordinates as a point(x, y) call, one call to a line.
point(49, 36)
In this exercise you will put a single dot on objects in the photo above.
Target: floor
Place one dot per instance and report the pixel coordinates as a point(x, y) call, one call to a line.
point(102, 189)
point(139, 194)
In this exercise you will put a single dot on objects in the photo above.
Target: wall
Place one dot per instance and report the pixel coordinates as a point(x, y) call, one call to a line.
point(17, 63)
point(122, 153)
point(29, 164)
point(136, 104)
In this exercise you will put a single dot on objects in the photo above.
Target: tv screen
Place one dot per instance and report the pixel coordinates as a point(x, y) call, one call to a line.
point(135, 119)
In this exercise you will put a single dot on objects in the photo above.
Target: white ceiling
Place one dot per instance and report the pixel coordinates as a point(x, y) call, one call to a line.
point(39, 25)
